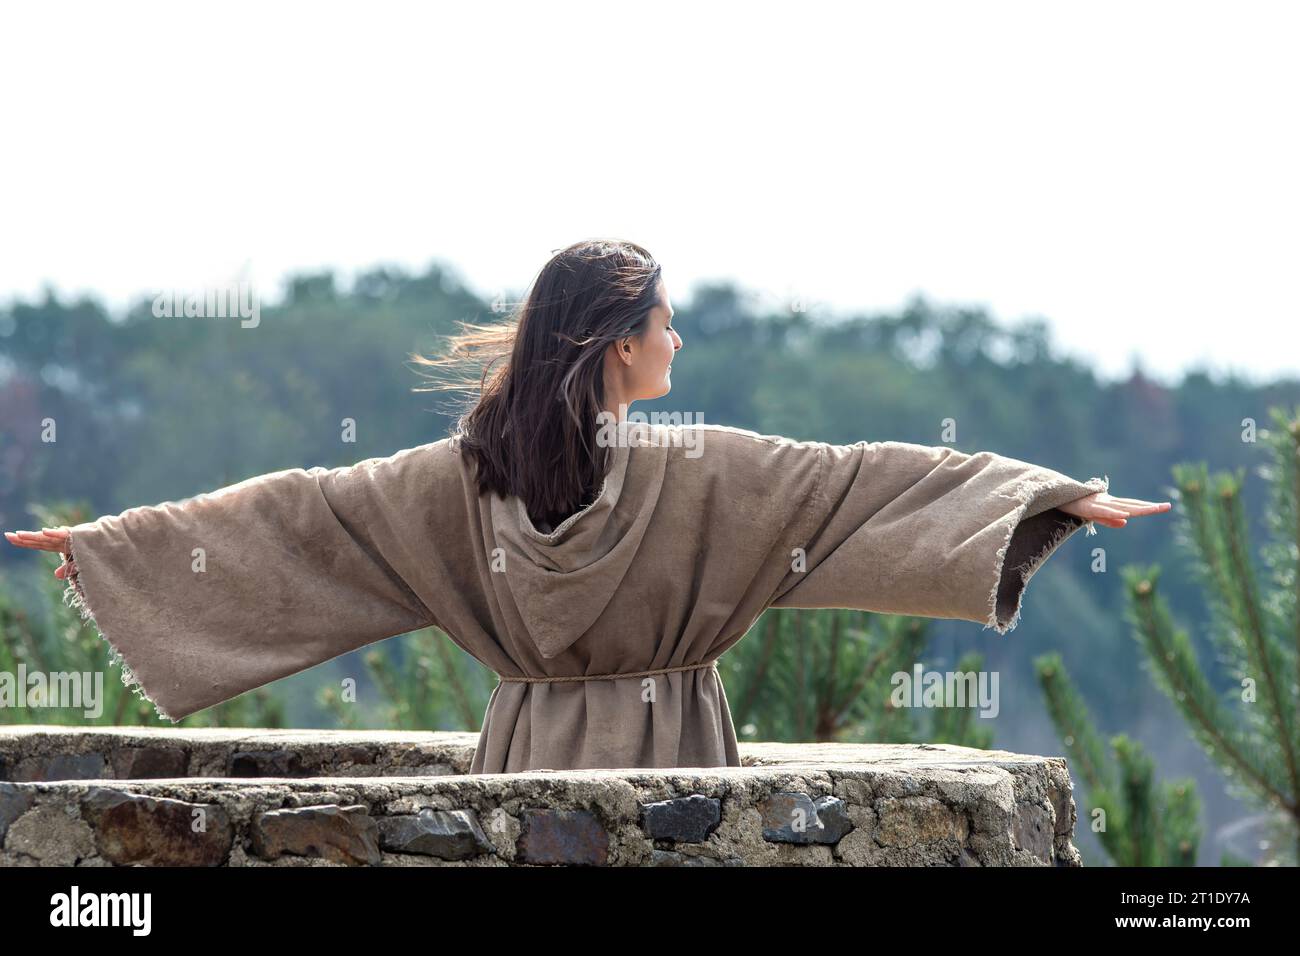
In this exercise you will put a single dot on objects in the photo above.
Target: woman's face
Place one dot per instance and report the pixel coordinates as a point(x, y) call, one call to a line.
point(645, 367)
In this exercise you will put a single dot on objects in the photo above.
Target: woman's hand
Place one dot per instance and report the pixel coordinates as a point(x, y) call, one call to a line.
point(47, 539)
point(1112, 512)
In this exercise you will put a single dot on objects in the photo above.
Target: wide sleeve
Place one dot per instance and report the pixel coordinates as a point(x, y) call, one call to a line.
point(206, 598)
point(901, 528)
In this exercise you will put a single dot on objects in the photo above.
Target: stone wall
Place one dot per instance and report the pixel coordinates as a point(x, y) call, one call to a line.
point(218, 797)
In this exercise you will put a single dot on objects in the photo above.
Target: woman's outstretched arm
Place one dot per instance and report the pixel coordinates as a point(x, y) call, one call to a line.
point(912, 529)
point(206, 598)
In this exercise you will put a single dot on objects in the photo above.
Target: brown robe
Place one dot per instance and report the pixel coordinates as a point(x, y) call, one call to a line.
point(696, 530)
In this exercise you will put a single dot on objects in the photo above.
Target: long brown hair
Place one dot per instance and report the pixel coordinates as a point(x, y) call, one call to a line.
point(531, 428)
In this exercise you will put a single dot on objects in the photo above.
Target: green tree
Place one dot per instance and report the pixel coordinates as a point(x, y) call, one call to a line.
point(827, 675)
point(1249, 729)
point(1137, 822)
point(427, 683)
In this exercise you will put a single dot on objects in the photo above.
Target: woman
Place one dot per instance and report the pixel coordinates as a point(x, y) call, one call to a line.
point(598, 565)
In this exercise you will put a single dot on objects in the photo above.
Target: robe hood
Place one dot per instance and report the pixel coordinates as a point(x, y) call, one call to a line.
point(560, 582)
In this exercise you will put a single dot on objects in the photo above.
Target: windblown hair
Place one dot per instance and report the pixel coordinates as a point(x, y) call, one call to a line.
point(532, 422)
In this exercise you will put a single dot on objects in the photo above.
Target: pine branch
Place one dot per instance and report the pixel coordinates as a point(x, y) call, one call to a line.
point(1179, 822)
point(1136, 773)
point(449, 669)
point(1183, 683)
point(906, 635)
point(1256, 638)
point(832, 670)
point(801, 722)
point(1199, 527)
point(1069, 715)
point(760, 669)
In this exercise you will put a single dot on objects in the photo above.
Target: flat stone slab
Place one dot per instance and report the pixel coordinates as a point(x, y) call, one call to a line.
point(247, 797)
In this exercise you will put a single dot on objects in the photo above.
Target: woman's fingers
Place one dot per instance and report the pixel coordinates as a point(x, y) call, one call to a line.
point(1114, 512)
point(1099, 510)
point(1138, 506)
point(1143, 509)
point(48, 540)
point(1111, 511)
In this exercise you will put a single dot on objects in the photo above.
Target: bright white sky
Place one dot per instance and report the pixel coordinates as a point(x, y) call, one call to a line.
point(1131, 172)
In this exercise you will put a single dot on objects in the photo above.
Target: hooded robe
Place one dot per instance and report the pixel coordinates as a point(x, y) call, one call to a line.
point(603, 631)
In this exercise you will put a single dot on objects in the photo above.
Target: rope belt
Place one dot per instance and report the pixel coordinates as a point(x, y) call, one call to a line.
point(563, 680)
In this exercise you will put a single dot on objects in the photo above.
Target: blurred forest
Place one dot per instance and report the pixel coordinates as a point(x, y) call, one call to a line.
point(152, 409)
